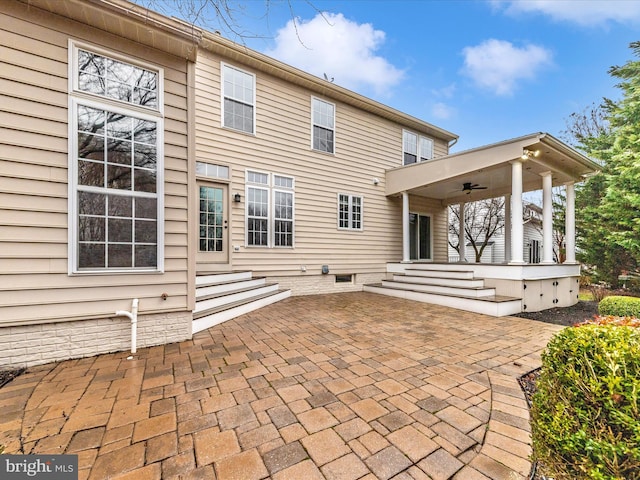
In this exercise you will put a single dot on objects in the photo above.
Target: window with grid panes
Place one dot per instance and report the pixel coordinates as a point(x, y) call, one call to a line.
point(115, 164)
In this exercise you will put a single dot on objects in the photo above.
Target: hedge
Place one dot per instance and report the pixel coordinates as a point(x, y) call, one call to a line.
point(585, 415)
point(620, 306)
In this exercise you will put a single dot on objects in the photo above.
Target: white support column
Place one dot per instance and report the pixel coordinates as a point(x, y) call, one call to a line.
point(547, 219)
point(507, 228)
point(517, 228)
point(570, 224)
point(462, 241)
point(406, 245)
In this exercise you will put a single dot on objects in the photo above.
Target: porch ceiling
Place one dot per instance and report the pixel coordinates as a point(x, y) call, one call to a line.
point(490, 166)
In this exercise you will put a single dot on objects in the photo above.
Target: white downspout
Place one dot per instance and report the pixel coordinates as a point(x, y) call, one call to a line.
point(133, 316)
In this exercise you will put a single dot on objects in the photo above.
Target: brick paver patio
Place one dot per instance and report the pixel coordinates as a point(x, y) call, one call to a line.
point(344, 386)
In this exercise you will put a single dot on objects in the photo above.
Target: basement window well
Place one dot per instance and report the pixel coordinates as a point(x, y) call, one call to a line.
point(344, 278)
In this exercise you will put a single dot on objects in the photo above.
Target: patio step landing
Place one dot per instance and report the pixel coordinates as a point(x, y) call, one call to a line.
point(221, 297)
point(455, 289)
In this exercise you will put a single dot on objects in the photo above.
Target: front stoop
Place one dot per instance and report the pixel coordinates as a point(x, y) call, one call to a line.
point(221, 297)
point(455, 289)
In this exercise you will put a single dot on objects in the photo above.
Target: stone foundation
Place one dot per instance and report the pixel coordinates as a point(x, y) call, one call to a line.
point(321, 284)
point(28, 345)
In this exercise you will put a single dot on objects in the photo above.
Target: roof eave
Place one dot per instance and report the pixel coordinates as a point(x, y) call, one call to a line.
point(227, 48)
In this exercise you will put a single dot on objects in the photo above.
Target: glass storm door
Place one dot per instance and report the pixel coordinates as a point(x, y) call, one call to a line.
point(212, 225)
point(420, 237)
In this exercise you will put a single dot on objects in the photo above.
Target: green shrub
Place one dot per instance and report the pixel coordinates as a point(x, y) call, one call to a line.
point(620, 306)
point(585, 415)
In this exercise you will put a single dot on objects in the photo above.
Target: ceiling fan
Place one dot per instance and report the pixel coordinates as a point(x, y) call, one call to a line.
point(468, 187)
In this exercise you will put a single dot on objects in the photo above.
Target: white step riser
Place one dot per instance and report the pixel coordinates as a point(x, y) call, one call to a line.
point(227, 287)
point(222, 278)
point(439, 274)
point(217, 318)
point(477, 306)
point(233, 297)
point(449, 282)
point(471, 292)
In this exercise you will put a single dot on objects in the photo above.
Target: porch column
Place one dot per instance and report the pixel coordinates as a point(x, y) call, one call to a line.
point(462, 243)
point(570, 224)
point(507, 228)
point(406, 245)
point(547, 219)
point(517, 228)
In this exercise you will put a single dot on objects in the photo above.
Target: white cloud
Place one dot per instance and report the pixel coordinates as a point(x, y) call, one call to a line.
point(582, 12)
point(442, 111)
point(344, 50)
point(499, 66)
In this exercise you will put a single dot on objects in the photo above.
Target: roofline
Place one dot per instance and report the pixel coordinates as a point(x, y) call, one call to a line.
point(560, 146)
point(216, 43)
point(543, 137)
point(147, 16)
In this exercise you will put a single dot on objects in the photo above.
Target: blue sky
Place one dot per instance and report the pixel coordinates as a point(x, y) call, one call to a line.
point(485, 70)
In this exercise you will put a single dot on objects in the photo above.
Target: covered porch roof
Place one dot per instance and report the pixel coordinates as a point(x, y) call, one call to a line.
point(489, 166)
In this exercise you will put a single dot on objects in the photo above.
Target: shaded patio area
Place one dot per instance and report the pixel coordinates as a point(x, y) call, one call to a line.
point(342, 386)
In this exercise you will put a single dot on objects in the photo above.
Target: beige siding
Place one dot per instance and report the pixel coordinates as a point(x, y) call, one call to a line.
point(366, 146)
point(35, 286)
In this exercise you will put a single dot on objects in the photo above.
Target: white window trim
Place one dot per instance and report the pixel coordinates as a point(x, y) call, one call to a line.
point(291, 191)
point(271, 188)
point(418, 152)
point(77, 97)
point(351, 196)
point(222, 97)
point(333, 152)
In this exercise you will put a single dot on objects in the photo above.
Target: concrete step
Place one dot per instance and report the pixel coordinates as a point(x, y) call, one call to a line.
point(215, 278)
point(452, 282)
point(221, 299)
point(443, 289)
point(438, 273)
point(495, 305)
point(216, 315)
point(205, 290)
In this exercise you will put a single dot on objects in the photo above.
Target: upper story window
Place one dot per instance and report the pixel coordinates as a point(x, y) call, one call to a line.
point(107, 77)
point(323, 125)
point(416, 148)
point(238, 90)
point(349, 212)
point(115, 156)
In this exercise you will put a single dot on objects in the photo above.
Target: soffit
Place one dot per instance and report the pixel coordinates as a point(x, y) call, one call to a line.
point(130, 21)
point(490, 166)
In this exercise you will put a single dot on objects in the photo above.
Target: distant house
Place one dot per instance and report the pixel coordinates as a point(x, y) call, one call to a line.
point(495, 251)
point(157, 179)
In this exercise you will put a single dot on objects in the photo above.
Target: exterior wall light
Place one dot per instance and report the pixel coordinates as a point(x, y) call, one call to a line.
point(527, 154)
point(237, 198)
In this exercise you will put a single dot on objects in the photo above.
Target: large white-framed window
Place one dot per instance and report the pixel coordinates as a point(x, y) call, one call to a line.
point(238, 99)
point(323, 125)
point(349, 211)
point(115, 163)
point(416, 148)
point(269, 210)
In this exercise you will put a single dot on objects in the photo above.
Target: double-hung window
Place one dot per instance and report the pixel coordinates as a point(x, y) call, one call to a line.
point(270, 210)
point(323, 114)
point(349, 212)
point(115, 174)
point(416, 148)
point(238, 105)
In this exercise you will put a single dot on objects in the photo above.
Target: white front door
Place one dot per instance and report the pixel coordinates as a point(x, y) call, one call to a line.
point(420, 237)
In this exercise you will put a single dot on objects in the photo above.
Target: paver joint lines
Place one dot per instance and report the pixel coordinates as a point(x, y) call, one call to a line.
point(343, 386)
